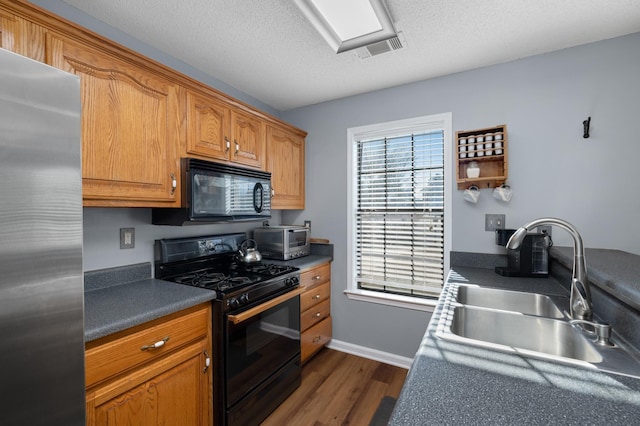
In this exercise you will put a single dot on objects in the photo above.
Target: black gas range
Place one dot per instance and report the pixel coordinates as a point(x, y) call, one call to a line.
point(256, 322)
point(212, 263)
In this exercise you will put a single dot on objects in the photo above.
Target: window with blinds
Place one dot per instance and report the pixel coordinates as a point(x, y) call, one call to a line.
point(399, 213)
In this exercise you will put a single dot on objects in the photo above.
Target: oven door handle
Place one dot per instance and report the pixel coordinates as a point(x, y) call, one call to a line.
point(243, 316)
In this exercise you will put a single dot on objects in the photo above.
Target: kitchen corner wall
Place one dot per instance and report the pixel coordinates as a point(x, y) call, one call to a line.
point(553, 170)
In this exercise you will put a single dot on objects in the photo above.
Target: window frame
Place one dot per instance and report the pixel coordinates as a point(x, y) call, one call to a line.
point(389, 129)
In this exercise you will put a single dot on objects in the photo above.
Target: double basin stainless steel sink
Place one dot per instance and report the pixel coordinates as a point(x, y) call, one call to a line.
point(529, 324)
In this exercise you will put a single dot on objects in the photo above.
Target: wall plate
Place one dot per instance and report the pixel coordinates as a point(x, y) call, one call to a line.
point(493, 222)
point(127, 238)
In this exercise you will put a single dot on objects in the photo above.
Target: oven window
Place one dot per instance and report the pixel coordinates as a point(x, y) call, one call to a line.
point(297, 238)
point(261, 345)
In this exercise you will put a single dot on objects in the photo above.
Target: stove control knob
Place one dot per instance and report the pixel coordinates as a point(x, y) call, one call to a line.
point(233, 303)
point(244, 299)
point(291, 281)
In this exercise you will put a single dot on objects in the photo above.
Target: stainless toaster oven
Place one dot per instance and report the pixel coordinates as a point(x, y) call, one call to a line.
point(282, 242)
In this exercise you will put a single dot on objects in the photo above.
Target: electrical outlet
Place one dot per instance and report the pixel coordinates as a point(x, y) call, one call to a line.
point(493, 222)
point(127, 238)
point(307, 224)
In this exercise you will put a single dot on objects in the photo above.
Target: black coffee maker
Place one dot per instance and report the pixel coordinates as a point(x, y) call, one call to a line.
point(531, 260)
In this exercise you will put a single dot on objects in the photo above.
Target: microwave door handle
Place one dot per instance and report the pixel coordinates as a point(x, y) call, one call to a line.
point(243, 316)
point(258, 195)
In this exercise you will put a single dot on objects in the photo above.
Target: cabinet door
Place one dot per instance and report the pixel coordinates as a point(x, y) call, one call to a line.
point(248, 140)
point(21, 36)
point(208, 124)
point(130, 128)
point(171, 391)
point(285, 161)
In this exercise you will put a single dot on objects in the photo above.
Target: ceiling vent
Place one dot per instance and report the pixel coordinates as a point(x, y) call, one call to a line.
point(378, 48)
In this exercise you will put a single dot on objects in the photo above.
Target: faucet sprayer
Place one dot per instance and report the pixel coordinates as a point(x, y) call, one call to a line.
point(581, 307)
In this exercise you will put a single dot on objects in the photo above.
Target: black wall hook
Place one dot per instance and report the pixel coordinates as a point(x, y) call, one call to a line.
point(586, 124)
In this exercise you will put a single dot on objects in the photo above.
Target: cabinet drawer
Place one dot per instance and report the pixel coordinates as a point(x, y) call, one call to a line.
point(315, 338)
point(315, 295)
point(315, 276)
point(315, 314)
point(118, 353)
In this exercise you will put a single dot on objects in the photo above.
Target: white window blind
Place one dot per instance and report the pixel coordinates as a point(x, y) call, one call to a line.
point(399, 214)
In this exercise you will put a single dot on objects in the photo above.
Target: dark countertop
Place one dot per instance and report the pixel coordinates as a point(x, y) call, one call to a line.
point(303, 263)
point(116, 308)
point(119, 298)
point(125, 296)
point(614, 271)
point(452, 383)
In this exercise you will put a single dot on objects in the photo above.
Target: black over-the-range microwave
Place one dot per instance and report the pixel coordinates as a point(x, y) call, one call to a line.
point(216, 192)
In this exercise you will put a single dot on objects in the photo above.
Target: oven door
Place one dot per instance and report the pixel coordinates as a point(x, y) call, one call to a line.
point(263, 352)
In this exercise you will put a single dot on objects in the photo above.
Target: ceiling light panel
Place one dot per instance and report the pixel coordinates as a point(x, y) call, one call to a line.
point(349, 25)
point(349, 19)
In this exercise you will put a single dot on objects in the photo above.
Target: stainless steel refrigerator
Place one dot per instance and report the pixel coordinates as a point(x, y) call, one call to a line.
point(41, 281)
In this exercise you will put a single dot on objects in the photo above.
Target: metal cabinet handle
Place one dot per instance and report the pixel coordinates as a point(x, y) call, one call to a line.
point(156, 345)
point(237, 146)
point(273, 192)
point(174, 183)
point(317, 296)
point(316, 278)
point(227, 144)
point(317, 339)
point(207, 362)
point(317, 315)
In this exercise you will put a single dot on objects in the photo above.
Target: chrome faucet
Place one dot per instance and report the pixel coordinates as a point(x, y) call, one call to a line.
point(581, 307)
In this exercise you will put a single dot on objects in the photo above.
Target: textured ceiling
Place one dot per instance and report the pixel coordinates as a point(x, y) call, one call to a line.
point(268, 50)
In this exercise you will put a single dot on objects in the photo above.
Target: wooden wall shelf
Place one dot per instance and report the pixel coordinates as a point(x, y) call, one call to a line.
point(485, 148)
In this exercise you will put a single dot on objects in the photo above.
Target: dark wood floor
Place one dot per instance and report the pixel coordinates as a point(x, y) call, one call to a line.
point(338, 389)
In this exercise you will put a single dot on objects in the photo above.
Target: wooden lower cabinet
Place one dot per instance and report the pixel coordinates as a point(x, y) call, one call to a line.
point(315, 310)
point(169, 384)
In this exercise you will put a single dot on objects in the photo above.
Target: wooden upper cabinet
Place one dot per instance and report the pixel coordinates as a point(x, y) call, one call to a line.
point(208, 122)
point(219, 131)
point(285, 161)
point(21, 36)
point(247, 139)
point(130, 127)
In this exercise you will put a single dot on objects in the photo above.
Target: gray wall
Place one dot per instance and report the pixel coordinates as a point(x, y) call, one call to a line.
point(102, 235)
point(553, 170)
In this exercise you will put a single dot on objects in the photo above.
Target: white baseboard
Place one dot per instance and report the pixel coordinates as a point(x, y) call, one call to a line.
point(374, 354)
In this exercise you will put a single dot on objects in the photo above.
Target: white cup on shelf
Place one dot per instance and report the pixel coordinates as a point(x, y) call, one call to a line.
point(480, 149)
point(463, 150)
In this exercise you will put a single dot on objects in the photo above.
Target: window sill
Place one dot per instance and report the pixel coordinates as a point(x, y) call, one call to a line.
point(396, 300)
